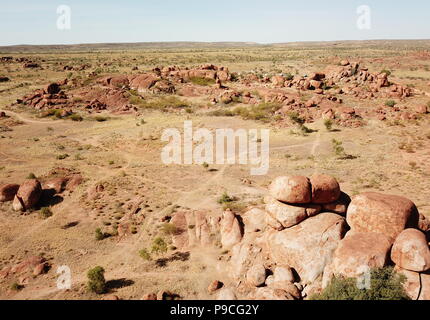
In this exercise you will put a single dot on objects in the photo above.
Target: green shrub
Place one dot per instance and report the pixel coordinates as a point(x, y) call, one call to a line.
point(328, 123)
point(295, 117)
point(202, 81)
point(289, 76)
point(45, 213)
point(62, 156)
point(101, 118)
point(76, 117)
point(144, 254)
point(390, 103)
point(96, 280)
point(16, 287)
point(100, 235)
point(225, 198)
point(387, 72)
point(31, 176)
point(385, 284)
point(338, 148)
point(159, 246)
point(169, 229)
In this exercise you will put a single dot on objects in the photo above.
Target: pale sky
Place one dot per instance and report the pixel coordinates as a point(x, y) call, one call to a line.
point(263, 21)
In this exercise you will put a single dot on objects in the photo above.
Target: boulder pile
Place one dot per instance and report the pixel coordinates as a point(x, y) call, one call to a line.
point(310, 231)
point(32, 192)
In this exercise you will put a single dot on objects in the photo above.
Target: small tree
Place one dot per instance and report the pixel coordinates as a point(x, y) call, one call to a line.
point(96, 280)
point(159, 246)
point(385, 284)
point(328, 123)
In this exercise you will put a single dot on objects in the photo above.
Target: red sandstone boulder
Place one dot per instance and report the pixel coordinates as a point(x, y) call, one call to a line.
point(289, 215)
point(309, 246)
point(231, 231)
point(385, 214)
point(294, 189)
point(411, 251)
point(57, 184)
point(256, 275)
point(8, 192)
point(360, 252)
point(28, 195)
point(340, 206)
point(325, 189)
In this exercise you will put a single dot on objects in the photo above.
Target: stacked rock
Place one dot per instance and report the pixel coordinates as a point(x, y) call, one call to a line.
point(293, 199)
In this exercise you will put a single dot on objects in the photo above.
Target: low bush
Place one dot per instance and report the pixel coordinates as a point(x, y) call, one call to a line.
point(96, 280)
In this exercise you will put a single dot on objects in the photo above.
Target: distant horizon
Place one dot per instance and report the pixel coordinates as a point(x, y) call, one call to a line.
point(210, 42)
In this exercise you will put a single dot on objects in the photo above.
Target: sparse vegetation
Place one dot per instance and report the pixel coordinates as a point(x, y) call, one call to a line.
point(145, 255)
point(328, 123)
point(390, 103)
point(96, 280)
point(45, 213)
point(159, 246)
point(385, 284)
point(202, 81)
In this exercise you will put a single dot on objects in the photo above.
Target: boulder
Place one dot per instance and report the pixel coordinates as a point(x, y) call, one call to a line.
point(309, 246)
point(386, 214)
point(57, 184)
point(325, 189)
point(417, 285)
point(226, 294)
point(282, 274)
point(294, 189)
point(254, 220)
point(28, 195)
point(231, 231)
point(215, 286)
point(360, 252)
point(256, 275)
point(411, 251)
point(340, 206)
point(8, 192)
point(289, 215)
point(272, 294)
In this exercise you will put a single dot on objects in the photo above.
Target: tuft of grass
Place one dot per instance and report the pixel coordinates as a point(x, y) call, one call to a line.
point(328, 123)
point(45, 213)
point(169, 229)
point(225, 198)
point(159, 246)
point(390, 103)
point(202, 81)
point(31, 176)
point(145, 255)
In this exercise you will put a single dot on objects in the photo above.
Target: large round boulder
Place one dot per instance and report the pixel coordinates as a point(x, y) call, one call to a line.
point(380, 213)
point(295, 189)
point(256, 275)
point(308, 247)
point(359, 253)
point(411, 251)
point(289, 215)
point(28, 195)
point(325, 189)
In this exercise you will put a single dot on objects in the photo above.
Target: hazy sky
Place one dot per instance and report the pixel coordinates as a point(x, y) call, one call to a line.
point(265, 21)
